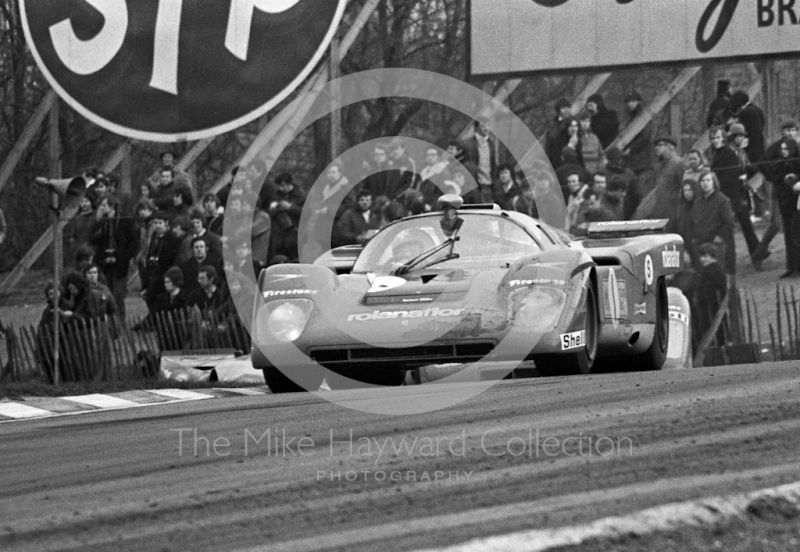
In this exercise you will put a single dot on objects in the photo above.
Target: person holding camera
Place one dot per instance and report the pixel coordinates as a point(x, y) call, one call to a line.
point(116, 242)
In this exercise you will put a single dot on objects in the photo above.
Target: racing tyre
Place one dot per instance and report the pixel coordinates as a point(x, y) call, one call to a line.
point(580, 362)
point(278, 382)
point(387, 376)
point(654, 357)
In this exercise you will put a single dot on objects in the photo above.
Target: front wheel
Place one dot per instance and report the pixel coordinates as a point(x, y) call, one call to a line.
point(581, 361)
point(309, 379)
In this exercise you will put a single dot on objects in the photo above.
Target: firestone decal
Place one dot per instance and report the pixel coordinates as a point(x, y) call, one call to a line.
point(387, 315)
point(671, 258)
point(573, 340)
point(517, 283)
point(275, 293)
point(648, 270)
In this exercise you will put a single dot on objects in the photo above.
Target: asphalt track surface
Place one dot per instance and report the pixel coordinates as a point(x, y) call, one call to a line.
point(516, 457)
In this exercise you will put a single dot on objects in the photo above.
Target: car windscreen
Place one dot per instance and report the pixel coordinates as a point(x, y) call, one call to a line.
point(484, 240)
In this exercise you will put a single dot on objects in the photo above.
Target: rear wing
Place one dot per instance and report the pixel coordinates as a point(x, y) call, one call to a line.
point(626, 228)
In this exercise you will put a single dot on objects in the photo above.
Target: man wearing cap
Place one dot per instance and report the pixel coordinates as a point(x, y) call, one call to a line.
point(161, 253)
point(556, 138)
point(732, 168)
point(605, 123)
point(770, 166)
point(167, 158)
point(639, 150)
point(740, 110)
point(662, 201)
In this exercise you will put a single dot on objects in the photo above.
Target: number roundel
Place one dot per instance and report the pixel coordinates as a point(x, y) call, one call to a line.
point(648, 270)
point(171, 70)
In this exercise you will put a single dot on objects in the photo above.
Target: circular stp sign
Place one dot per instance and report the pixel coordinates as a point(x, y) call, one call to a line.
point(170, 70)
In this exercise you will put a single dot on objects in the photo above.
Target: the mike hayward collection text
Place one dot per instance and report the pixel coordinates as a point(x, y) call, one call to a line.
point(496, 442)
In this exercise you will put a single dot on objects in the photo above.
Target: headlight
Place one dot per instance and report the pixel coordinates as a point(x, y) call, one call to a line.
point(283, 320)
point(537, 308)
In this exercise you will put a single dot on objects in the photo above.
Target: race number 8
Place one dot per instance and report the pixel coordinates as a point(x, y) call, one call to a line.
point(84, 57)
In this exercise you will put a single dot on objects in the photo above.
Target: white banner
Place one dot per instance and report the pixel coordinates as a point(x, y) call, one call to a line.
point(527, 36)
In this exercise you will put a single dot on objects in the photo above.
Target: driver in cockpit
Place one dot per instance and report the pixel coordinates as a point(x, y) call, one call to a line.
point(404, 252)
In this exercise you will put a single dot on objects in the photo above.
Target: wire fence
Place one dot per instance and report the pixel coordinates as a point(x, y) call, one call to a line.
point(104, 349)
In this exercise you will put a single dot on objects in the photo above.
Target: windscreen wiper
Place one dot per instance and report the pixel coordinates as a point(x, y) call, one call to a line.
point(405, 268)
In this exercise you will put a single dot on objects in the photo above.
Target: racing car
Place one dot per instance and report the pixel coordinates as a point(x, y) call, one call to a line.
point(469, 285)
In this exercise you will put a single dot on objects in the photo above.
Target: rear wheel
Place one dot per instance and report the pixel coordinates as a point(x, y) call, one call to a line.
point(655, 356)
point(581, 361)
point(309, 379)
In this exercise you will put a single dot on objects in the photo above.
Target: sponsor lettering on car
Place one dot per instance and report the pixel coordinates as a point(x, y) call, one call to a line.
point(553, 281)
point(573, 340)
point(275, 293)
point(671, 258)
point(676, 313)
point(388, 315)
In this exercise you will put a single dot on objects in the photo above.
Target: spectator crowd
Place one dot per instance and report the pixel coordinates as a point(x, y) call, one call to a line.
point(173, 234)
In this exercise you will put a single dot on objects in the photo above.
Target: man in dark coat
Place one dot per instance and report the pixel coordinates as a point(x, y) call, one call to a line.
point(662, 200)
point(481, 150)
point(786, 173)
point(726, 166)
point(168, 187)
point(116, 242)
point(505, 189)
point(570, 166)
point(639, 149)
point(200, 258)
point(556, 137)
point(711, 289)
point(746, 170)
point(161, 253)
point(720, 102)
point(208, 296)
point(623, 181)
point(605, 123)
point(712, 217)
point(285, 210)
point(379, 183)
point(355, 223)
point(404, 168)
point(770, 165)
point(752, 118)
